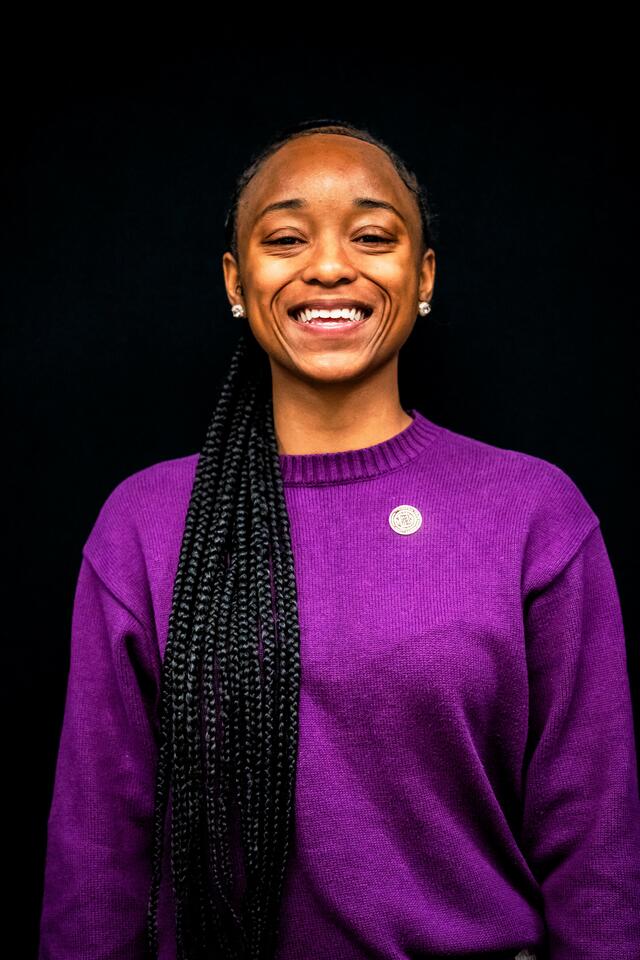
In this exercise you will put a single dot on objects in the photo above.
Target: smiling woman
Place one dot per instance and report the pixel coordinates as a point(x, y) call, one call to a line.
point(368, 673)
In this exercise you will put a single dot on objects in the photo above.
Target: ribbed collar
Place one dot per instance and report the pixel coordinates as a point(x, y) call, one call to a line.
point(305, 469)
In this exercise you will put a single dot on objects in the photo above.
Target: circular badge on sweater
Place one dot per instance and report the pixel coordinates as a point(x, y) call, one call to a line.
point(405, 519)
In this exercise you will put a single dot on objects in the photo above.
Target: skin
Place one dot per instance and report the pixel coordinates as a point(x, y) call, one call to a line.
point(331, 393)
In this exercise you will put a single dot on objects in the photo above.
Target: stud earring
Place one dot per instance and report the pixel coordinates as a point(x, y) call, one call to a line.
point(238, 310)
point(424, 307)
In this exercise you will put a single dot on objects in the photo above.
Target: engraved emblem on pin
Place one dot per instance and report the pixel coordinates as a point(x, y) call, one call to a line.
point(405, 519)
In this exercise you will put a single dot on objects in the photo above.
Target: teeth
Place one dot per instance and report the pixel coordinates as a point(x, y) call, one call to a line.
point(308, 316)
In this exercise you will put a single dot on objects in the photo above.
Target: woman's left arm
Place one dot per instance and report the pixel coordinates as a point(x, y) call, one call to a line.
point(581, 826)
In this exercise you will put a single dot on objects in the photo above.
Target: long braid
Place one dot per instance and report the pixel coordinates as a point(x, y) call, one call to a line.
point(230, 682)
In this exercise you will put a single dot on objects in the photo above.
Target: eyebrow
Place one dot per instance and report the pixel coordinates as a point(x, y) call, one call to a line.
point(297, 203)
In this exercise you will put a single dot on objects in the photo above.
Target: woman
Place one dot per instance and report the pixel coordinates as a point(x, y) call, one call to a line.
point(369, 673)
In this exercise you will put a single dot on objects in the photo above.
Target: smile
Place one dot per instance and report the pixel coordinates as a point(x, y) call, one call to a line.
point(332, 318)
point(330, 322)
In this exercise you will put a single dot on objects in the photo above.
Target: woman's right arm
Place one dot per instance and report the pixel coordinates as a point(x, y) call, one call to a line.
point(98, 860)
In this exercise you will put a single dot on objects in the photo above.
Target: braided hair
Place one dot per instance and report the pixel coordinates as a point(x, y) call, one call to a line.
point(230, 679)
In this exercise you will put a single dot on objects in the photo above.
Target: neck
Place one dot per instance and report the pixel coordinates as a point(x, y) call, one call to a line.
point(332, 417)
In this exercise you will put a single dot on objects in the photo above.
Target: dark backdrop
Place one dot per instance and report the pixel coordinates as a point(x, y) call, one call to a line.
point(116, 172)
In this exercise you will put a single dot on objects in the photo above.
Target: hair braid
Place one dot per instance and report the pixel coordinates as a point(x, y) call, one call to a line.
point(230, 681)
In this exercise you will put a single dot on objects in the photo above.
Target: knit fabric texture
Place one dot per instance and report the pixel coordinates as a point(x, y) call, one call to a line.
point(466, 776)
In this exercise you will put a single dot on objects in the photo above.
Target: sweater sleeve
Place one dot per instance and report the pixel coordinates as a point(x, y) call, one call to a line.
point(98, 868)
point(581, 813)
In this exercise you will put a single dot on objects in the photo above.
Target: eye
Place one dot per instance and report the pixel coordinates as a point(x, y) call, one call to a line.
point(280, 241)
point(374, 237)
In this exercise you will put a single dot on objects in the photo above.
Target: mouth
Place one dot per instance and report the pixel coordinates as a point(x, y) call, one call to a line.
point(330, 315)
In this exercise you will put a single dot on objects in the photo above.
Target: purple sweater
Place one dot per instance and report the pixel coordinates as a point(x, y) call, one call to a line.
point(467, 775)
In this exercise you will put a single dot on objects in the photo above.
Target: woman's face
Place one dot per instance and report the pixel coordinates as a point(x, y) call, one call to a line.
point(327, 221)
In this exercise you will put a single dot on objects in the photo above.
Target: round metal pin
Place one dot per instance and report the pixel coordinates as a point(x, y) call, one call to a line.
point(405, 519)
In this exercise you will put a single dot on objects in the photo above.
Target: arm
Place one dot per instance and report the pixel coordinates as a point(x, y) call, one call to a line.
point(581, 812)
point(98, 866)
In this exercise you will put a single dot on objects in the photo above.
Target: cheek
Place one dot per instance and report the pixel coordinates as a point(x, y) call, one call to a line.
point(268, 274)
point(397, 274)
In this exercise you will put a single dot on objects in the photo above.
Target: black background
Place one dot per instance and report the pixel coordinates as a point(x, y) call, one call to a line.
point(118, 164)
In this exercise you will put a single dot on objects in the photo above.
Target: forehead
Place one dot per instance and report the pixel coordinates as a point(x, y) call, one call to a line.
point(324, 168)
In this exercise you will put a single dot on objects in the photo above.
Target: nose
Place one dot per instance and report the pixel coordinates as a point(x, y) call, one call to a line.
point(329, 261)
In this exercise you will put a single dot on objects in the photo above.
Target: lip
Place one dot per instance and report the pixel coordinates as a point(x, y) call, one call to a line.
point(330, 328)
point(336, 303)
point(336, 327)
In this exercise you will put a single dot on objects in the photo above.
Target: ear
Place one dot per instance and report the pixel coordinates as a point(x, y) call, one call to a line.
point(232, 281)
point(427, 275)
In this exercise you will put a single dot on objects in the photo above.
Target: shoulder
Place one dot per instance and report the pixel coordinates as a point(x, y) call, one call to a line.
point(535, 501)
point(138, 529)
